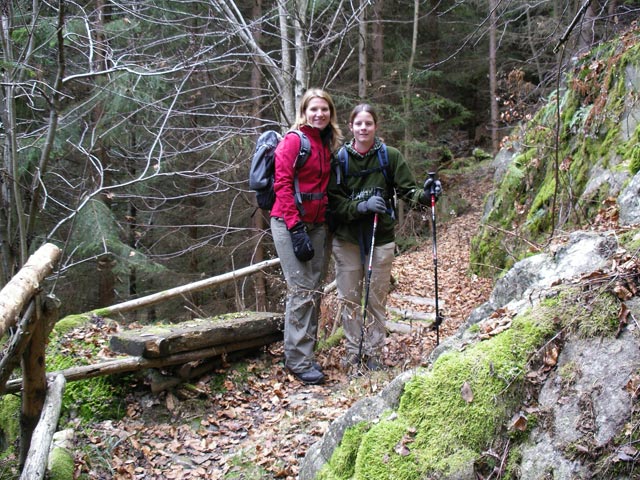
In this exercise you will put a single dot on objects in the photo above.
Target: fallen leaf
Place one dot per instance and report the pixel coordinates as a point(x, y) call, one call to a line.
point(467, 393)
point(518, 422)
point(551, 355)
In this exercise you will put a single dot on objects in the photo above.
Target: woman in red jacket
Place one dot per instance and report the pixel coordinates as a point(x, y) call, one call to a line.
point(299, 229)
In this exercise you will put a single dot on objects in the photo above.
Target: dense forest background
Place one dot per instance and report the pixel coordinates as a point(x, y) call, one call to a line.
point(127, 127)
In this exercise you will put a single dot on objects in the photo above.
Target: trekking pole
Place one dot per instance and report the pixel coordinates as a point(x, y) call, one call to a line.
point(432, 192)
point(365, 303)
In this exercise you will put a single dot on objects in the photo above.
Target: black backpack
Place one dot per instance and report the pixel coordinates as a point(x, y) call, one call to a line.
point(262, 172)
point(383, 158)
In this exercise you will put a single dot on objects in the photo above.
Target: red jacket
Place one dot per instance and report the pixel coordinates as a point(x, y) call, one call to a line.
point(313, 177)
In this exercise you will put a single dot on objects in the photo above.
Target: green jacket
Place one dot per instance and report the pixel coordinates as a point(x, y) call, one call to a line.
point(354, 227)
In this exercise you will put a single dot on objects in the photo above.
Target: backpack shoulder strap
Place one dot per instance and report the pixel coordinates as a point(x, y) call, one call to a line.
point(383, 158)
point(301, 159)
point(305, 149)
point(343, 164)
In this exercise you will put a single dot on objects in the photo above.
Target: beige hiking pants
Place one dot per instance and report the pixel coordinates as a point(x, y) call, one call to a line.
point(351, 278)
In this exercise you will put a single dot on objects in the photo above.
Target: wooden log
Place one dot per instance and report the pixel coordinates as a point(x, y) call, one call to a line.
point(165, 295)
point(163, 340)
point(131, 364)
point(34, 389)
point(34, 370)
point(19, 290)
point(36, 463)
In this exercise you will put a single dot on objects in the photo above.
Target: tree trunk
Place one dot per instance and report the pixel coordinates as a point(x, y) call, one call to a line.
point(17, 346)
point(377, 49)
point(286, 89)
point(14, 246)
point(362, 50)
point(52, 129)
point(408, 99)
point(163, 341)
point(301, 62)
point(493, 75)
point(34, 381)
point(258, 219)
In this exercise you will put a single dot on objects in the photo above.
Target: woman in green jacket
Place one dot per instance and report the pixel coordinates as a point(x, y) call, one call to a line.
point(364, 181)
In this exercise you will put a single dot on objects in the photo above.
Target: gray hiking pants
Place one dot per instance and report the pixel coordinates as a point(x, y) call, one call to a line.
point(351, 280)
point(303, 294)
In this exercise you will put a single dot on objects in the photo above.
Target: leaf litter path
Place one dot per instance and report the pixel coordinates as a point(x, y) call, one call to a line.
point(252, 419)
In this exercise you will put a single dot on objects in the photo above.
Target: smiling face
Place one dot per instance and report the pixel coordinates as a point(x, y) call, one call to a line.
point(318, 113)
point(363, 126)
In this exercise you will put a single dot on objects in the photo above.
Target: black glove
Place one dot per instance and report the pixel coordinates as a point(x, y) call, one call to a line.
point(302, 246)
point(432, 186)
point(375, 204)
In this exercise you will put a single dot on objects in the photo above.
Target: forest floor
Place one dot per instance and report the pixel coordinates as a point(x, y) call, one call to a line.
point(252, 419)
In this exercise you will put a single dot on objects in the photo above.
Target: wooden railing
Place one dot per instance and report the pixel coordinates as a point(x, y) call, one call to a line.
point(27, 318)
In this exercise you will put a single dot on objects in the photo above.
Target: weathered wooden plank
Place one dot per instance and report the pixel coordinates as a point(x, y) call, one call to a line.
point(132, 364)
point(163, 340)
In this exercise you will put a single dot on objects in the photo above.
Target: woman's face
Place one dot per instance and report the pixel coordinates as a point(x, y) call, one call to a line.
point(318, 113)
point(363, 128)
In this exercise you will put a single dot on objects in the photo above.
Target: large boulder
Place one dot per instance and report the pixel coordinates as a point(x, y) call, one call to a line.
point(585, 401)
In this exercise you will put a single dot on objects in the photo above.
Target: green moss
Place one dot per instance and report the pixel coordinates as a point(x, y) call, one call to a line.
point(61, 464)
point(90, 399)
point(487, 256)
point(475, 328)
point(590, 314)
point(420, 441)
point(631, 240)
point(71, 322)
point(10, 406)
point(343, 460)
point(609, 144)
point(589, 133)
point(388, 453)
point(331, 341)
point(480, 155)
point(512, 470)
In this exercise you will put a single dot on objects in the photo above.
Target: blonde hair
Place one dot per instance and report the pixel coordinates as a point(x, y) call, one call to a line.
point(333, 133)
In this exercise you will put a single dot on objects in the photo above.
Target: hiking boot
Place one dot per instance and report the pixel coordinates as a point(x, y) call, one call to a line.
point(373, 364)
point(310, 377)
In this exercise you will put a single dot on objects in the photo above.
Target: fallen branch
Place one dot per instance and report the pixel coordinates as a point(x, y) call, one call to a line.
point(159, 297)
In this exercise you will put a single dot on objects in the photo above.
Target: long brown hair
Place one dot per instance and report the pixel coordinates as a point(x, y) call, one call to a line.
point(333, 132)
point(363, 107)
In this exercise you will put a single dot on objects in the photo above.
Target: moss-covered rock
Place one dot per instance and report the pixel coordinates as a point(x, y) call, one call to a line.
point(476, 390)
point(544, 187)
point(61, 464)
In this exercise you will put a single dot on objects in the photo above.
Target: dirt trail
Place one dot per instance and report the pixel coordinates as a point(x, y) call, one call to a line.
point(253, 420)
